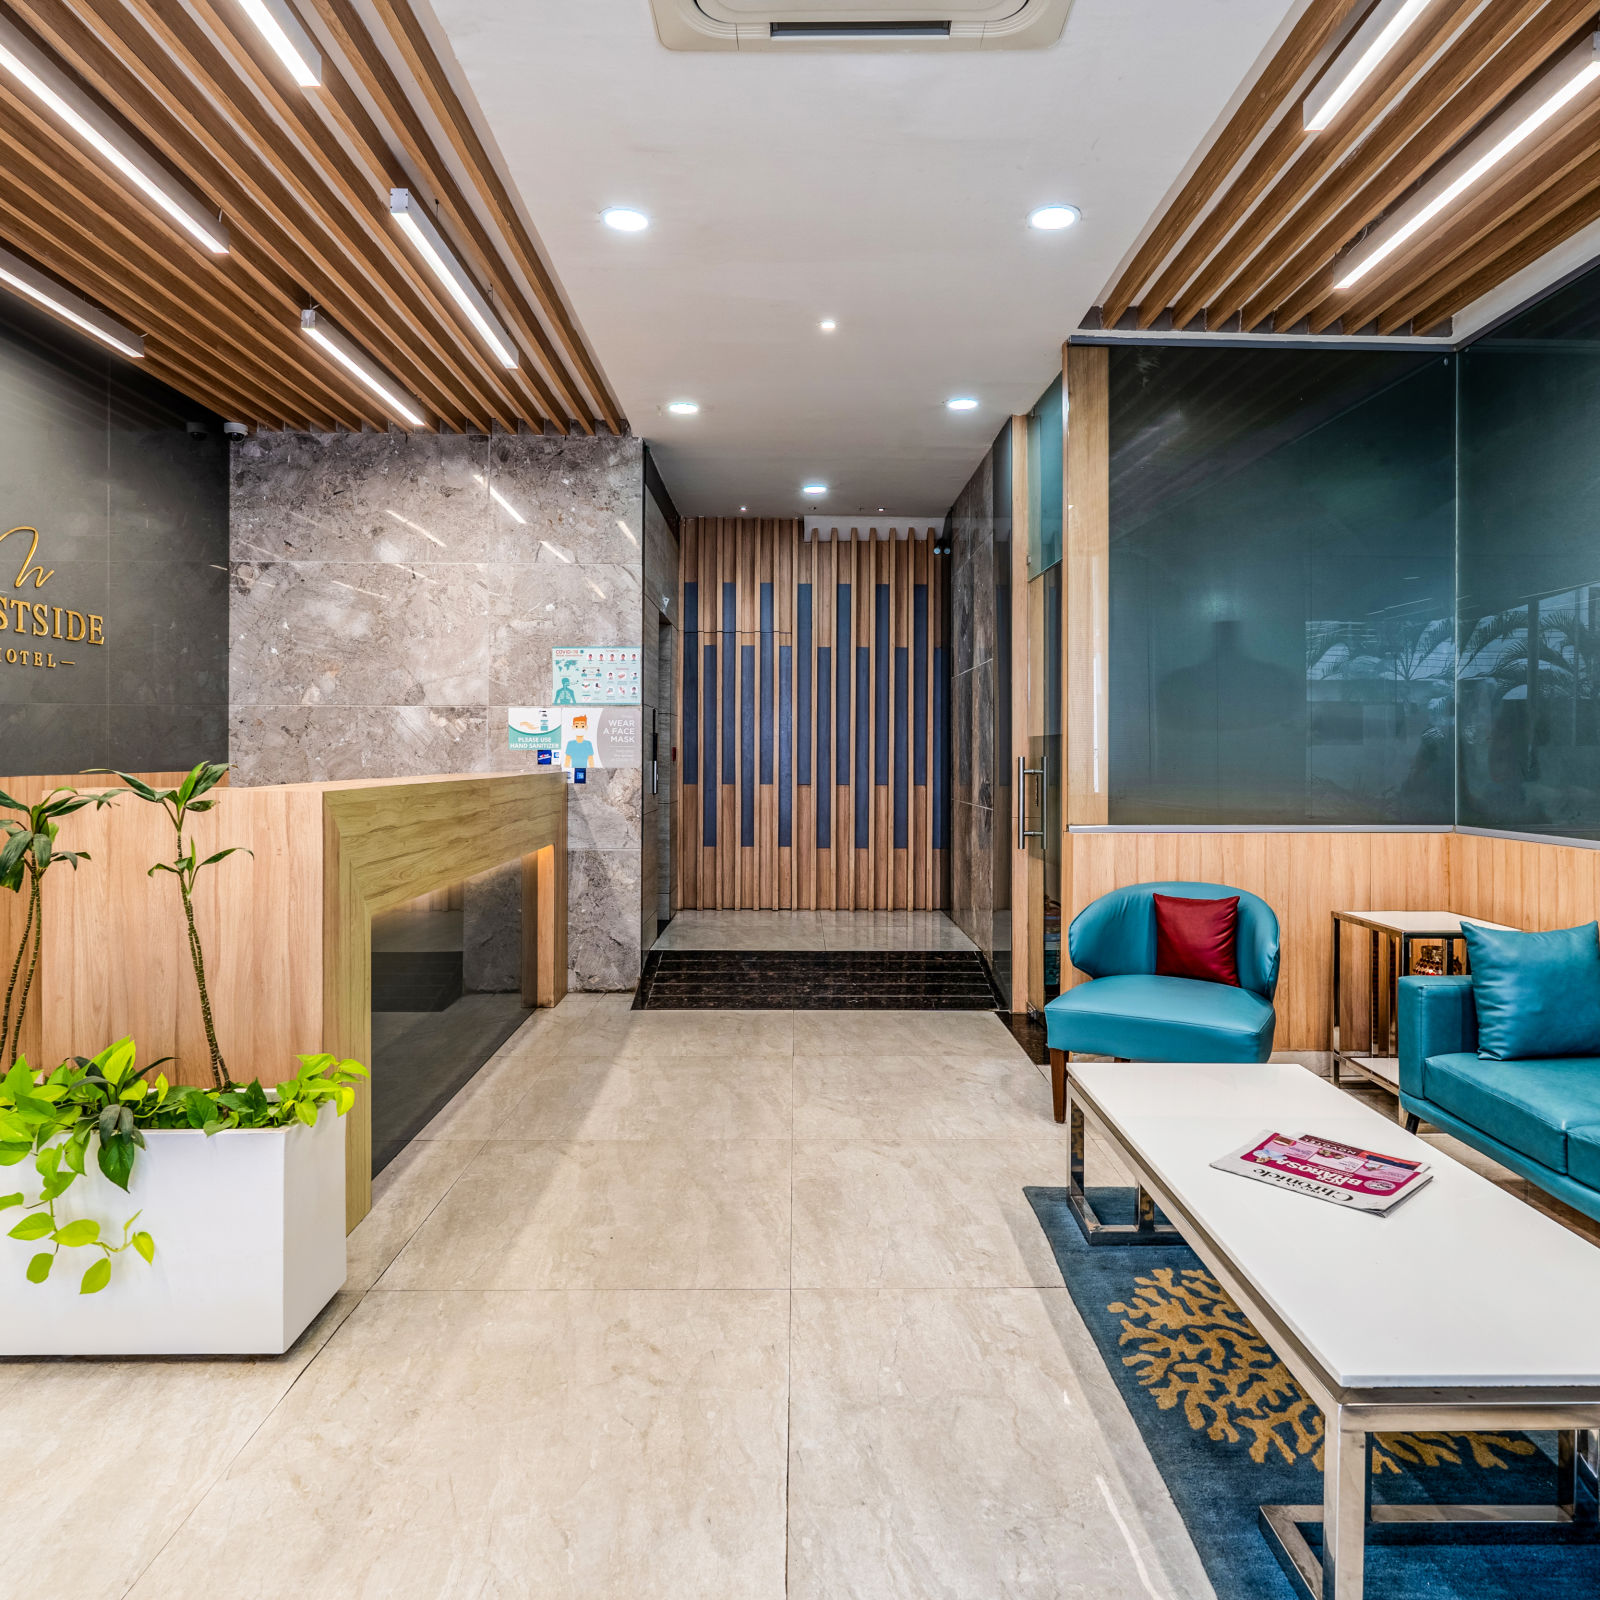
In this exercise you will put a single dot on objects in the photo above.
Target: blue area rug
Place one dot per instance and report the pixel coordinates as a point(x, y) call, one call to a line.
point(1230, 1430)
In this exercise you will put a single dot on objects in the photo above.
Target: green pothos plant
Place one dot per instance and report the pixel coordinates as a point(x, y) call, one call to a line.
point(107, 1102)
point(29, 851)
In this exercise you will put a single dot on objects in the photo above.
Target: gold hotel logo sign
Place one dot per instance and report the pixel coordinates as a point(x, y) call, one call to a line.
point(27, 620)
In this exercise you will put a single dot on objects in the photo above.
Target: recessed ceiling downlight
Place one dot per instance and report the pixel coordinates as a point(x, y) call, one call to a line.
point(625, 219)
point(961, 402)
point(684, 408)
point(1050, 219)
point(828, 325)
point(813, 488)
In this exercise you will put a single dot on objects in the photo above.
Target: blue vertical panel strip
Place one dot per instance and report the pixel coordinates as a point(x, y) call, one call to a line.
point(802, 753)
point(708, 789)
point(766, 685)
point(901, 667)
point(863, 748)
point(785, 773)
point(941, 778)
point(824, 784)
point(919, 684)
point(747, 744)
point(691, 683)
point(730, 644)
point(880, 686)
point(841, 686)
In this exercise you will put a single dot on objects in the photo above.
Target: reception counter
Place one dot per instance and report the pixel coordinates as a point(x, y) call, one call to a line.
point(286, 929)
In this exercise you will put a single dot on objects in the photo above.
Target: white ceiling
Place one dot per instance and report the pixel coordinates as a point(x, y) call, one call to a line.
point(887, 190)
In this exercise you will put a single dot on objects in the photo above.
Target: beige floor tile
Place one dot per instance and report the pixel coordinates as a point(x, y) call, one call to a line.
point(109, 1457)
point(901, 1033)
point(941, 1449)
point(512, 1447)
point(693, 1097)
point(403, 1195)
point(665, 1036)
point(903, 1216)
point(643, 1214)
point(742, 930)
point(921, 1098)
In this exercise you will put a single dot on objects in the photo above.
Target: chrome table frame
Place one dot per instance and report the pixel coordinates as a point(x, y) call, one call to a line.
point(1352, 1416)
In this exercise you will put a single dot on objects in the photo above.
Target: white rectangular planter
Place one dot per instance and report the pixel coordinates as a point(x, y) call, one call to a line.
point(250, 1246)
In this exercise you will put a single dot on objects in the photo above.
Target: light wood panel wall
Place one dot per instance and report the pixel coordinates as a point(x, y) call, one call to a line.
point(1533, 886)
point(1304, 877)
point(1086, 581)
point(768, 815)
point(287, 929)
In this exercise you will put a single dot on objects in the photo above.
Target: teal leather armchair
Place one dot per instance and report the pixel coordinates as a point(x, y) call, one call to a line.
point(1132, 1013)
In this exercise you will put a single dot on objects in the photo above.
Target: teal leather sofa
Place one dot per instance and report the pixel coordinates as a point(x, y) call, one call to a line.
point(1133, 1014)
point(1539, 1118)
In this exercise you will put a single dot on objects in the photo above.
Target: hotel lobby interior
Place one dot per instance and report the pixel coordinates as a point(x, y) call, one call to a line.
point(720, 721)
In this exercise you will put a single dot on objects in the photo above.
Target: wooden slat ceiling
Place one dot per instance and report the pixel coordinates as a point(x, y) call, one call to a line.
point(1250, 243)
point(301, 178)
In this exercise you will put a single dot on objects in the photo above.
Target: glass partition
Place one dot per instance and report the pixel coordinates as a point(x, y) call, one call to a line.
point(1281, 587)
point(1529, 571)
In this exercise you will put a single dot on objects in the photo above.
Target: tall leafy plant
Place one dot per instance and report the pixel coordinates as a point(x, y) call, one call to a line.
point(180, 804)
point(28, 853)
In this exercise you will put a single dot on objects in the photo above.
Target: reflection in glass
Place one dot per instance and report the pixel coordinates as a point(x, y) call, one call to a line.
point(1281, 587)
point(1530, 570)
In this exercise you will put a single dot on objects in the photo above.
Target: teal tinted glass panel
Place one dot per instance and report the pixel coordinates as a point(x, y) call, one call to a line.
point(1281, 587)
point(1045, 442)
point(1529, 690)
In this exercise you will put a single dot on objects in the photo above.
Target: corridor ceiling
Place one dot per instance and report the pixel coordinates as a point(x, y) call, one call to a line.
point(887, 191)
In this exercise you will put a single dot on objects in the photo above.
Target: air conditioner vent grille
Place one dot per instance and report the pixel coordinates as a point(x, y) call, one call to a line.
point(833, 26)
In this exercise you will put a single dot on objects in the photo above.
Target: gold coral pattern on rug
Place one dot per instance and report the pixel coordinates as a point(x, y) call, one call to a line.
point(1190, 1346)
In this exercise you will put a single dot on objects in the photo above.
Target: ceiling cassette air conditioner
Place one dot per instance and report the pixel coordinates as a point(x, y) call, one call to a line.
point(853, 25)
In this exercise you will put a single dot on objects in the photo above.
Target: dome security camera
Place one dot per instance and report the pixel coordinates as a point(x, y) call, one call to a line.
point(235, 431)
point(197, 430)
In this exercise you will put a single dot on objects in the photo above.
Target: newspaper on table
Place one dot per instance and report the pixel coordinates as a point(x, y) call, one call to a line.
point(1361, 1180)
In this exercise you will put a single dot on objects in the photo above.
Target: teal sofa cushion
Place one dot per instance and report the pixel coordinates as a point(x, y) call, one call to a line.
point(1141, 1017)
point(1583, 1151)
point(1528, 1105)
point(1537, 994)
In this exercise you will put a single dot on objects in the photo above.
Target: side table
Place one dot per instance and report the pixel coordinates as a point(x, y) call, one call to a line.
point(1394, 940)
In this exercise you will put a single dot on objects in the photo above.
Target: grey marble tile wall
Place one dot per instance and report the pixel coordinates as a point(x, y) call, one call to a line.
point(393, 595)
point(973, 824)
point(660, 632)
point(130, 506)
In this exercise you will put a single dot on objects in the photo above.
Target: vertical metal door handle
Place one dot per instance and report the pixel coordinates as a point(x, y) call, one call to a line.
point(1024, 772)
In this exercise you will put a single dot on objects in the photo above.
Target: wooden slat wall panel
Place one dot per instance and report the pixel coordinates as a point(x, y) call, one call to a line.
point(830, 792)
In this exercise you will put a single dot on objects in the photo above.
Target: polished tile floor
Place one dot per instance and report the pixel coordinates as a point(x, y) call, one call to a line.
point(709, 1306)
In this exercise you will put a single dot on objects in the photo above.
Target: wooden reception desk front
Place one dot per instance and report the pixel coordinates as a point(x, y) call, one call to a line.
point(287, 929)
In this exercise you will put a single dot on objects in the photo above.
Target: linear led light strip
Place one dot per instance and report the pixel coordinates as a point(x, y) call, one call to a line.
point(40, 76)
point(361, 369)
point(1508, 132)
point(289, 42)
point(418, 227)
point(1369, 44)
point(28, 280)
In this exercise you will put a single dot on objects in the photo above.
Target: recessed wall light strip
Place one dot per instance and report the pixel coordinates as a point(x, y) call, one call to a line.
point(287, 39)
point(418, 226)
point(25, 279)
point(30, 69)
point(1557, 92)
point(360, 366)
point(558, 397)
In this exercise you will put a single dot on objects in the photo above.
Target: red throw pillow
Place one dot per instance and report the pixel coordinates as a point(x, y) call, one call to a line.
point(1197, 938)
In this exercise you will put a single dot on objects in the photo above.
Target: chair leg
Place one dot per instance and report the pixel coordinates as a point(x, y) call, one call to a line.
point(1412, 1121)
point(1058, 1083)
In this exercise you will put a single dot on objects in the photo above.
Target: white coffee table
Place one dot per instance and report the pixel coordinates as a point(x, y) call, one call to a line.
point(1463, 1309)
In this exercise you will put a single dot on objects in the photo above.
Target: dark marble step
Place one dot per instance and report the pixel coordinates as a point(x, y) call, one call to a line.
point(840, 980)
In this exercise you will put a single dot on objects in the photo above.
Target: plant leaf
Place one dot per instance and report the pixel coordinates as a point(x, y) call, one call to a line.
point(77, 1234)
point(145, 1245)
point(97, 1277)
point(32, 1227)
point(9, 1200)
point(116, 1158)
point(39, 1267)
